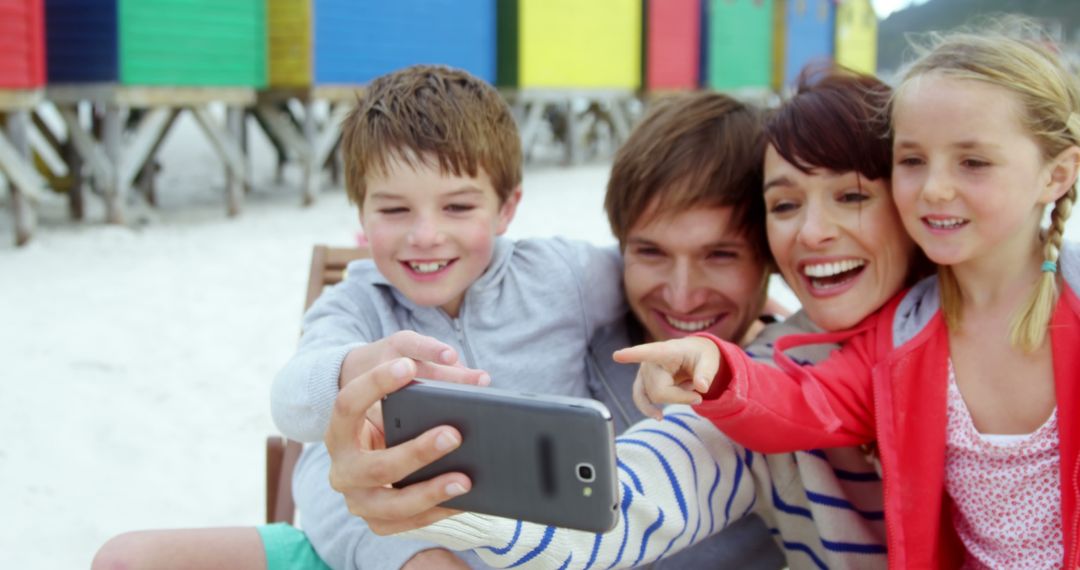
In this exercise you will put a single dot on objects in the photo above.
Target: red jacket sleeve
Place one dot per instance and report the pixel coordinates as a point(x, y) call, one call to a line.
point(794, 408)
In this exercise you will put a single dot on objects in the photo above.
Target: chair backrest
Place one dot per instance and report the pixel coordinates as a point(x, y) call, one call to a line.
point(327, 268)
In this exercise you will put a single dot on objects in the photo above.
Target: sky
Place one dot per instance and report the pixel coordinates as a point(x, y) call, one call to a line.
point(886, 7)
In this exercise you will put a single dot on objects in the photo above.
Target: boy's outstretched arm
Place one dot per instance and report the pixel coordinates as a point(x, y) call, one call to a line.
point(671, 372)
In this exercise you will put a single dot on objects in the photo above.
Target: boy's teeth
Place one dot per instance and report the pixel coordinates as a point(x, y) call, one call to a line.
point(427, 267)
point(690, 326)
point(946, 223)
point(833, 268)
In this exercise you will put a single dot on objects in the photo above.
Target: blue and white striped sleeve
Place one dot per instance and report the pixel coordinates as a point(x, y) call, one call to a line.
point(681, 480)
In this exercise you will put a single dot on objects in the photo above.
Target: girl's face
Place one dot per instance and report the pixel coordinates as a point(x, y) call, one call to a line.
point(836, 239)
point(969, 181)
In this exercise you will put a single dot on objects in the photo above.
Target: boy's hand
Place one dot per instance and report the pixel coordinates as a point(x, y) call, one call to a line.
point(435, 359)
point(671, 372)
point(362, 468)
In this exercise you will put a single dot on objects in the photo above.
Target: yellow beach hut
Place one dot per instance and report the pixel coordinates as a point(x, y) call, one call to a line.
point(856, 35)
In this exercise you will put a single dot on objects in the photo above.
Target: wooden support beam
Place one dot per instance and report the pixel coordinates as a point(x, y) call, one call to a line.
point(116, 190)
point(145, 141)
point(91, 153)
point(25, 189)
point(231, 155)
point(279, 127)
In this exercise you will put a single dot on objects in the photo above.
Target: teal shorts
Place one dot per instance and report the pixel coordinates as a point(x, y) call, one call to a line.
point(287, 547)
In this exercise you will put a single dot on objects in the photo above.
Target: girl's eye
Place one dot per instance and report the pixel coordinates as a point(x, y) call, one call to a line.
point(909, 161)
point(459, 208)
point(974, 163)
point(395, 210)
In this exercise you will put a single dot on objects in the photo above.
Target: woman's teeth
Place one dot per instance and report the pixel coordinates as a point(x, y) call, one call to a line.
point(832, 268)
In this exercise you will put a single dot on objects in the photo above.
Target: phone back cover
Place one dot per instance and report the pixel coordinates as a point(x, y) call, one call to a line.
point(522, 455)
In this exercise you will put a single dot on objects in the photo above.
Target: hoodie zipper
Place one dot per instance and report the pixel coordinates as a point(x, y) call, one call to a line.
point(459, 330)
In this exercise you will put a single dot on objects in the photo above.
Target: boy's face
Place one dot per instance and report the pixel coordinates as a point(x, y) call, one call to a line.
point(689, 272)
point(432, 234)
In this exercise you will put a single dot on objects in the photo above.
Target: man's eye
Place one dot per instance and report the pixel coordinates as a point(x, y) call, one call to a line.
point(974, 163)
point(397, 210)
point(460, 208)
point(648, 251)
point(723, 254)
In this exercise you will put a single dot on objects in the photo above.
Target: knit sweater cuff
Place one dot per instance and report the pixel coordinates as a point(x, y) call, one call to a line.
point(464, 531)
point(324, 382)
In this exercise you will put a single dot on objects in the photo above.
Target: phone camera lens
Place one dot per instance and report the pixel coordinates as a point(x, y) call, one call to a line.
point(586, 473)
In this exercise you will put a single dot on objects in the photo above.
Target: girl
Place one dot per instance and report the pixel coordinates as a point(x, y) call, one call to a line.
point(970, 381)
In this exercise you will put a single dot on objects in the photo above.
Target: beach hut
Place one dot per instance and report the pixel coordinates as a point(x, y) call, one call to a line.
point(22, 74)
point(804, 34)
point(349, 42)
point(22, 47)
point(739, 44)
point(570, 44)
point(156, 42)
point(856, 35)
point(143, 62)
point(673, 44)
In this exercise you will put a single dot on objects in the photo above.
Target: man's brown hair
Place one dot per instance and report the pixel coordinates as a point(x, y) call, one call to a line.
point(691, 150)
point(427, 112)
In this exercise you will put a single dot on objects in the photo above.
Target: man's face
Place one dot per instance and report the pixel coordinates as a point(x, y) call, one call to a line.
point(689, 272)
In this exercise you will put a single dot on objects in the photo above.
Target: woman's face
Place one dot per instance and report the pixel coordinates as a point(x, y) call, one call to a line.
point(837, 240)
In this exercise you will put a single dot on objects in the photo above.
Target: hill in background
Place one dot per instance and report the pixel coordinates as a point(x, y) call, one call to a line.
point(938, 15)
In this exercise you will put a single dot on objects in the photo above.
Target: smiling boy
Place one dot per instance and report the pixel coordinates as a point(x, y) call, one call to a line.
point(434, 163)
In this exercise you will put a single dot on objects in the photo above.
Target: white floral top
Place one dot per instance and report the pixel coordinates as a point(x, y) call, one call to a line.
point(1006, 491)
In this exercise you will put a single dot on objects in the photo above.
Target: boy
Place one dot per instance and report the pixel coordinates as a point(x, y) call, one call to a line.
point(434, 163)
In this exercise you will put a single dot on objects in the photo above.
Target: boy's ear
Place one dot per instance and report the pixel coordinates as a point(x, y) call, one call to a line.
point(508, 209)
point(1063, 172)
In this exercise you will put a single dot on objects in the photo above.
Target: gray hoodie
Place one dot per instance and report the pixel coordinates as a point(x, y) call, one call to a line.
point(527, 321)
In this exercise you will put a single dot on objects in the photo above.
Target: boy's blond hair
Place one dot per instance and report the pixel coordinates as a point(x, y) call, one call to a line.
point(428, 112)
point(1011, 54)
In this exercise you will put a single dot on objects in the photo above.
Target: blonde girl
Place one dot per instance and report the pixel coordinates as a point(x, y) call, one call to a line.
point(970, 381)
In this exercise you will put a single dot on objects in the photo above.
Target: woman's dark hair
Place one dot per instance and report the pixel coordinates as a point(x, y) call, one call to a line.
point(837, 120)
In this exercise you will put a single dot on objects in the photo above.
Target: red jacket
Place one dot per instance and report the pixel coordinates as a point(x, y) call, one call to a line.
point(888, 383)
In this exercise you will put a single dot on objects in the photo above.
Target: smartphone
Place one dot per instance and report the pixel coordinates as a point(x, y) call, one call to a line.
point(539, 458)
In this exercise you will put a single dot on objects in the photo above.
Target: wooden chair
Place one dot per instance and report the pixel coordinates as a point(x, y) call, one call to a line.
point(327, 268)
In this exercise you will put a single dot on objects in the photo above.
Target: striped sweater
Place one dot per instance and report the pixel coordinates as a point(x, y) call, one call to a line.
point(682, 480)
